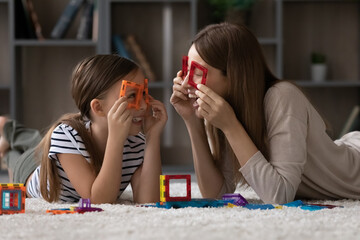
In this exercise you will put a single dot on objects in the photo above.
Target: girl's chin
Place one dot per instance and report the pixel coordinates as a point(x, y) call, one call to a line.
point(134, 130)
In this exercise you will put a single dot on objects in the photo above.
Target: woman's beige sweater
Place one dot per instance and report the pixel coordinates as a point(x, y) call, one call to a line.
point(304, 161)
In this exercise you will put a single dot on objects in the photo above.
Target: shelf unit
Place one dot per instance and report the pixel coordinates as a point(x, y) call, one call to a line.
point(34, 74)
point(5, 83)
point(163, 29)
point(332, 27)
point(40, 69)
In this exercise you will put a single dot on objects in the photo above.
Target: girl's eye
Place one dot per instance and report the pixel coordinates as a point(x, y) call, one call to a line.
point(132, 95)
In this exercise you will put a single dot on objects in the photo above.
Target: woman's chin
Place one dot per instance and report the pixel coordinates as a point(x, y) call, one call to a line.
point(198, 115)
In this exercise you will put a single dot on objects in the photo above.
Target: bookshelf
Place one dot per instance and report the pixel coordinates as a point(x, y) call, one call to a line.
point(332, 27)
point(34, 75)
point(40, 69)
point(5, 84)
point(163, 29)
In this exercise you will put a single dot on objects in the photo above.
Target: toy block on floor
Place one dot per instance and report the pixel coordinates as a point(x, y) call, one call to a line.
point(12, 198)
point(83, 207)
point(165, 188)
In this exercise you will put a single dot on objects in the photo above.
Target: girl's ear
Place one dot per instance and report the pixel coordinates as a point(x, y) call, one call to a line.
point(97, 108)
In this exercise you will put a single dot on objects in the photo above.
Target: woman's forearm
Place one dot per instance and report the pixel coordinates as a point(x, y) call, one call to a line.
point(240, 142)
point(209, 177)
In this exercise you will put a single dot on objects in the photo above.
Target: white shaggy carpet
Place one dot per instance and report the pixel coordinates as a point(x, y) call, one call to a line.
point(127, 221)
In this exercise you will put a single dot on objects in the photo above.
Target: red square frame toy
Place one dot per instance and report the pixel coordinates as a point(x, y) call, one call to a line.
point(165, 188)
point(193, 66)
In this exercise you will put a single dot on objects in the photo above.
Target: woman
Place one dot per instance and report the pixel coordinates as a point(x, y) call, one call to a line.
point(247, 126)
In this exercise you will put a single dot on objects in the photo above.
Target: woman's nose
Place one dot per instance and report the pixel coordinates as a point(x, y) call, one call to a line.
point(185, 83)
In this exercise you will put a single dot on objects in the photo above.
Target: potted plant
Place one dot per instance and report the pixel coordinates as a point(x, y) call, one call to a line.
point(234, 11)
point(318, 67)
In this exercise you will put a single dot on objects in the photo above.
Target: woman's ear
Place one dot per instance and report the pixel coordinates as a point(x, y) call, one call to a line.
point(97, 108)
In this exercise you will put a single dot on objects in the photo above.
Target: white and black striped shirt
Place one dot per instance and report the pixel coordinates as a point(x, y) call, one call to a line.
point(66, 139)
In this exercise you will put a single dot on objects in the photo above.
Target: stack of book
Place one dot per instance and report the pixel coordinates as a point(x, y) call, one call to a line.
point(128, 47)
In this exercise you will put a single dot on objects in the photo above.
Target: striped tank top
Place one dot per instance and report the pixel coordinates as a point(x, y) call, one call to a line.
point(66, 139)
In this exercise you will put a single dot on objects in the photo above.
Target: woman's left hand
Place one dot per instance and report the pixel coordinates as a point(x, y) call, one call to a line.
point(213, 108)
point(156, 117)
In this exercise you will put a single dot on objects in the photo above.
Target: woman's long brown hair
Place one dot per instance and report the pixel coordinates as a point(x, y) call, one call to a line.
point(235, 51)
point(91, 79)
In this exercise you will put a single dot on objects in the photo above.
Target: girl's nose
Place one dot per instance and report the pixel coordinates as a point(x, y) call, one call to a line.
point(143, 104)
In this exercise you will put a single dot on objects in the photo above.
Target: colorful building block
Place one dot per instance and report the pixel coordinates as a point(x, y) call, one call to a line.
point(84, 206)
point(146, 90)
point(204, 70)
point(12, 198)
point(193, 66)
point(198, 203)
point(165, 188)
point(185, 66)
point(138, 90)
point(235, 198)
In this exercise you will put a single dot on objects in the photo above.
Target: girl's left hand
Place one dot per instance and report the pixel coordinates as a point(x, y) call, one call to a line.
point(213, 108)
point(155, 118)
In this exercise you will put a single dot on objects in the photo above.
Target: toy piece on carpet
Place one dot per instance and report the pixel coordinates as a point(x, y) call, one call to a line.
point(310, 207)
point(12, 198)
point(165, 188)
point(167, 201)
point(230, 199)
point(237, 199)
point(84, 206)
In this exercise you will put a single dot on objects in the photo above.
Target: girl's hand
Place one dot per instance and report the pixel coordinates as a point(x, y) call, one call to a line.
point(214, 108)
point(179, 98)
point(156, 117)
point(119, 119)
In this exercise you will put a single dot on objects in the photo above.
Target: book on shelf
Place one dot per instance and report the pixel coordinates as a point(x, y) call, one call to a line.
point(24, 27)
point(120, 47)
point(85, 28)
point(353, 121)
point(66, 18)
point(140, 57)
point(34, 19)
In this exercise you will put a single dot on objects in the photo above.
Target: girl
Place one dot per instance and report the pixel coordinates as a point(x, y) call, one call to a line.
point(96, 153)
point(245, 124)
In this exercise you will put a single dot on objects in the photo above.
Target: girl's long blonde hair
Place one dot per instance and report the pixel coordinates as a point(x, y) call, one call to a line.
point(91, 79)
point(235, 51)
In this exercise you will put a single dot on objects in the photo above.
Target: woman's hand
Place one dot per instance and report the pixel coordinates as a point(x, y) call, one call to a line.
point(119, 119)
point(156, 117)
point(214, 108)
point(179, 98)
